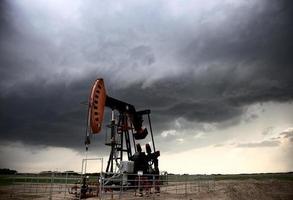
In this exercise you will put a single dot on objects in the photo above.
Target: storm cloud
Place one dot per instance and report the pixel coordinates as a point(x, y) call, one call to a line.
point(201, 62)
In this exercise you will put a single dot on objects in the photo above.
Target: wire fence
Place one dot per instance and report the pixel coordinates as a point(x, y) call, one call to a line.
point(155, 186)
point(39, 186)
point(107, 186)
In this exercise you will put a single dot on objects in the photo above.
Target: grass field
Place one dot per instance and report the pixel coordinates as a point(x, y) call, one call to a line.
point(263, 176)
point(8, 179)
point(218, 177)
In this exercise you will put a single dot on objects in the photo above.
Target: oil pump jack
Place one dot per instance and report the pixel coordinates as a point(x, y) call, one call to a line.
point(125, 130)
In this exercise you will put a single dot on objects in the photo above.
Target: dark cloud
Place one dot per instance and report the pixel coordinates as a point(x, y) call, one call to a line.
point(38, 114)
point(204, 67)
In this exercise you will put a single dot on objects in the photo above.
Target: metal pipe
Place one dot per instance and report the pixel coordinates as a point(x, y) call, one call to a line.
point(150, 124)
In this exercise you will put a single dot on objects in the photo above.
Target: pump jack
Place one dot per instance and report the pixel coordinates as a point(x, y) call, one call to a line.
point(129, 125)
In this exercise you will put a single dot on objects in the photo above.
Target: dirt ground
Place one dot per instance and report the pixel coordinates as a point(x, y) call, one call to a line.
point(220, 190)
point(228, 190)
point(249, 189)
point(273, 189)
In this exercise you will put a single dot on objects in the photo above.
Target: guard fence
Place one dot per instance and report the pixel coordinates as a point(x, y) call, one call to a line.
point(107, 186)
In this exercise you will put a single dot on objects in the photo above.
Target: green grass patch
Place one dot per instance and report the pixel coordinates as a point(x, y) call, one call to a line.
point(20, 179)
point(5, 180)
point(265, 176)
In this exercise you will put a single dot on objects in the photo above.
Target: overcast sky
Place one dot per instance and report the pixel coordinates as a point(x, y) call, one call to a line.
point(217, 75)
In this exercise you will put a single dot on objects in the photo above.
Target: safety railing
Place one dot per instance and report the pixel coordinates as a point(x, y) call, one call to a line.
point(50, 186)
point(134, 186)
point(108, 186)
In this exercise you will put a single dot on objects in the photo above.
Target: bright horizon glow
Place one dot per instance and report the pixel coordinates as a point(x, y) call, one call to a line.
point(256, 152)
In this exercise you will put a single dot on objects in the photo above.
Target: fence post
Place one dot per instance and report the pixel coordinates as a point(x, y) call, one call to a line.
point(51, 189)
point(153, 186)
point(100, 192)
point(176, 184)
point(24, 185)
point(65, 188)
point(185, 185)
point(214, 179)
point(12, 187)
point(121, 182)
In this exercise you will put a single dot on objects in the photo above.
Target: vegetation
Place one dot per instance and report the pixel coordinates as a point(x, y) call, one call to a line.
point(7, 171)
point(260, 176)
